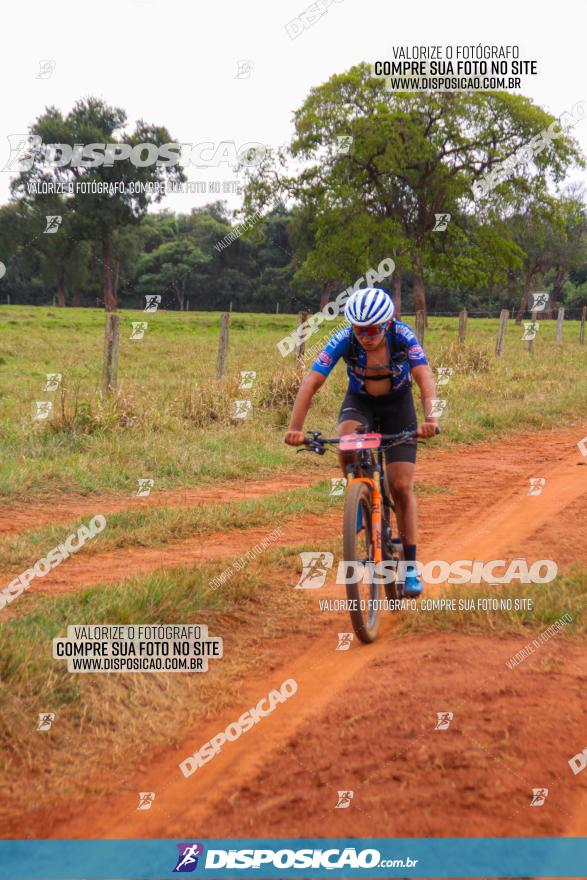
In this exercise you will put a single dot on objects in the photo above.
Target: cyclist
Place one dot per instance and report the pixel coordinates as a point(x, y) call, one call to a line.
point(382, 355)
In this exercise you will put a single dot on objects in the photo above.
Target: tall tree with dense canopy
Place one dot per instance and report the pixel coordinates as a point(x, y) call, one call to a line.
point(412, 156)
point(97, 215)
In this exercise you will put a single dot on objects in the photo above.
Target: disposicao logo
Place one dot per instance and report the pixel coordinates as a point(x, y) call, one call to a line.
point(187, 860)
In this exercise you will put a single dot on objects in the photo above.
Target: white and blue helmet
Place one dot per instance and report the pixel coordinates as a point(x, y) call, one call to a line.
point(370, 305)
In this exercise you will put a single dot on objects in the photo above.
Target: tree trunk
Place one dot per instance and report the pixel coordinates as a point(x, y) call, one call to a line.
point(525, 297)
point(556, 293)
point(419, 286)
point(61, 290)
point(76, 302)
point(396, 293)
point(325, 295)
point(110, 303)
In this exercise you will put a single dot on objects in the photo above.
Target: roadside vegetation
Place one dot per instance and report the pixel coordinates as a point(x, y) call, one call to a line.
point(173, 422)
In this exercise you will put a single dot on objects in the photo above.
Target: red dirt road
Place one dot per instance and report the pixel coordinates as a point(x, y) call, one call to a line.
point(364, 720)
point(28, 516)
point(485, 481)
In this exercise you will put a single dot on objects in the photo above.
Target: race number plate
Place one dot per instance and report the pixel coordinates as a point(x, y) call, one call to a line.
point(351, 442)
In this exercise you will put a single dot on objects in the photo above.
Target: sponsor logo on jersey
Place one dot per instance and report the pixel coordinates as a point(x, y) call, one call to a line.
point(324, 359)
point(415, 351)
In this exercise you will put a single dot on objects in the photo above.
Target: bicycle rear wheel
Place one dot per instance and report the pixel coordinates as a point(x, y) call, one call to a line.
point(357, 547)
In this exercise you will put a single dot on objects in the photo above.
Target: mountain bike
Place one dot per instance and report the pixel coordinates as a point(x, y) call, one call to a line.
point(368, 524)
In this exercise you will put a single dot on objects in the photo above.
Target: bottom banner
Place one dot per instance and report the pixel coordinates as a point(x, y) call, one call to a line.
point(303, 858)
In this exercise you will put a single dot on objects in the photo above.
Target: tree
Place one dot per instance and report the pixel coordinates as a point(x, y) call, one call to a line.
point(567, 243)
point(64, 258)
point(552, 236)
point(173, 265)
point(413, 156)
point(106, 197)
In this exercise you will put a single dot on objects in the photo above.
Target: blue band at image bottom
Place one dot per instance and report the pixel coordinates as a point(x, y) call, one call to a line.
point(304, 858)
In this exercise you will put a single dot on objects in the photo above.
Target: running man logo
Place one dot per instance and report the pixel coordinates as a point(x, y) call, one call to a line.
point(539, 301)
point(444, 719)
point(315, 566)
point(531, 328)
point(537, 484)
point(53, 382)
point(152, 302)
point(53, 222)
point(42, 410)
point(437, 408)
point(21, 156)
point(145, 486)
point(244, 68)
point(242, 409)
point(338, 485)
point(344, 800)
point(344, 143)
point(46, 719)
point(578, 762)
point(146, 799)
point(187, 860)
point(344, 641)
point(442, 221)
point(138, 329)
point(539, 795)
point(247, 378)
point(46, 68)
point(443, 375)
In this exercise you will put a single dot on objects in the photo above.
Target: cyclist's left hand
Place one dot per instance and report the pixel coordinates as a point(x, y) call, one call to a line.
point(426, 429)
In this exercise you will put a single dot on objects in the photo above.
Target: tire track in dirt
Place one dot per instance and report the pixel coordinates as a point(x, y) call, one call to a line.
point(28, 516)
point(303, 732)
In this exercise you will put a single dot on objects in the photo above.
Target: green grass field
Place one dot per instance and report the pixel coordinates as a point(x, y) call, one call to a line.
point(172, 422)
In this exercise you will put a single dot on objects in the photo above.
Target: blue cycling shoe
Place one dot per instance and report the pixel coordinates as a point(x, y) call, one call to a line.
point(412, 585)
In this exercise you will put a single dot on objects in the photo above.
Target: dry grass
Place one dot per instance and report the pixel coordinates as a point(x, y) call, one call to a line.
point(209, 403)
point(102, 414)
point(465, 359)
point(111, 721)
point(281, 389)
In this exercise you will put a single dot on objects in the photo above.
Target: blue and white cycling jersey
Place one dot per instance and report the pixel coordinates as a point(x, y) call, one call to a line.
point(404, 349)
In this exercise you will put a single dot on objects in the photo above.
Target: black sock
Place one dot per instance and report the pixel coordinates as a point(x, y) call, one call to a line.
point(410, 552)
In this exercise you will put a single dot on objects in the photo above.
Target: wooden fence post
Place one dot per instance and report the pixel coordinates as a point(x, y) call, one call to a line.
point(503, 322)
point(582, 330)
point(301, 346)
point(111, 346)
point(559, 324)
point(277, 309)
point(533, 316)
point(222, 346)
point(420, 324)
point(462, 326)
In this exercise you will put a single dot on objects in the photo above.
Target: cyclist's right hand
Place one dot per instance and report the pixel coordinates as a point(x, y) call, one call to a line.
point(294, 438)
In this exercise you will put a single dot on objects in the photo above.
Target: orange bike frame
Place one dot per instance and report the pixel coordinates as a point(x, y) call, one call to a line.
point(375, 515)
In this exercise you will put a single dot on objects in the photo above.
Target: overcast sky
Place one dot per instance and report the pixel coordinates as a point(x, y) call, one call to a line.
point(175, 63)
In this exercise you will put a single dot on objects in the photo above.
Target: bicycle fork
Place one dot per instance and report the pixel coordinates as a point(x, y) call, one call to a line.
point(375, 517)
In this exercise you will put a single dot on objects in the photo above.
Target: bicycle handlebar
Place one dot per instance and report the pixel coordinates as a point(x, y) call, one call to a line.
point(316, 443)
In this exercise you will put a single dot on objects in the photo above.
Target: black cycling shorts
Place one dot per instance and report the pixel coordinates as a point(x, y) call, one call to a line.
point(388, 414)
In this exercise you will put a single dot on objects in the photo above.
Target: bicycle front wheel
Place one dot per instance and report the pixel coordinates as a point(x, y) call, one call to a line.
point(358, 547)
